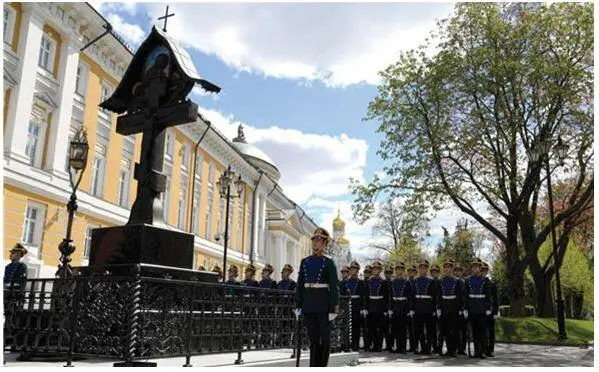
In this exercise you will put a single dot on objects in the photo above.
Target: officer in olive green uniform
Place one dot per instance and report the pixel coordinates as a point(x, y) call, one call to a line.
point(478, 307)
point(318, 297)
point(490, 349)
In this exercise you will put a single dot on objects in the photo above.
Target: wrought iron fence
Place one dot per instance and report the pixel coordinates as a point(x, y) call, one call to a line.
point(135, 317)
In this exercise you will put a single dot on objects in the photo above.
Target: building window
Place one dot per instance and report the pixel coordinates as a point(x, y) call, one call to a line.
point(99, 165)
point(196, 209)
point(81, 79)
point(248, 223)
point(210, 205)
point(168, 169)
point(9, 23)
point(239, 223)
point(33, 224)
point(88, 240)
point(185, 158)
point(105, 93)
point(169, 144)
point(36, 132)
point(182, 204)
point(123, 188)
point(46, 56)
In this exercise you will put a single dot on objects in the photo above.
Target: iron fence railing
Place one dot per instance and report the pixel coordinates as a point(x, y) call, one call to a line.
point(135, 317)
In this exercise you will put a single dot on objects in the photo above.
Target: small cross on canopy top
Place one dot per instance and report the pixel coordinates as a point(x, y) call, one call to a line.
point(165, 17)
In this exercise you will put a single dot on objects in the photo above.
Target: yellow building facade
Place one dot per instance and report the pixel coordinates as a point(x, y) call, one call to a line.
point(52, 89)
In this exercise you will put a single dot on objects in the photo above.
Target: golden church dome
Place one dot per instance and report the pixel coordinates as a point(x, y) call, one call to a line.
point(342, 240)
point(338, 223)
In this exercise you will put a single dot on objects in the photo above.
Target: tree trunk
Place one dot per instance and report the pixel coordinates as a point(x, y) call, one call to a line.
point(544, 298)
point(515, 270)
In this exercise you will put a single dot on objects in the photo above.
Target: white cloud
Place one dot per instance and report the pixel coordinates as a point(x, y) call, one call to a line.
point(339, 44)
point(132, 33)
point(197, 90)
point(311, 165)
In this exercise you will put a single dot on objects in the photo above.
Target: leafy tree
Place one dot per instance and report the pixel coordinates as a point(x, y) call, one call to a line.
point(457, 125)
point(463, 245)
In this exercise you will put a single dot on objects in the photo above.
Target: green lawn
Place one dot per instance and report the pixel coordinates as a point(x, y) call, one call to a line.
point(533, 329)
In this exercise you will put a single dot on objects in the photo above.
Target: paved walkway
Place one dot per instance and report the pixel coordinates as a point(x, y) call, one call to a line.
point(506, 355)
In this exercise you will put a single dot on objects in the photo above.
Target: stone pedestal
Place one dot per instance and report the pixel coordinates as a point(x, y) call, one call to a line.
point(141, 244)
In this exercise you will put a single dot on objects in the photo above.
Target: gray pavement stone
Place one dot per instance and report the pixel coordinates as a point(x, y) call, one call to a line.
point(506, 355)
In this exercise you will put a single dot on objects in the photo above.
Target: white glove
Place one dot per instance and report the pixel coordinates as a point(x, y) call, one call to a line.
point(496, 316)
point(384, 314)
point(411, 313)
point(459, 313)
point(332, 316)
point(297, 312)
point(365, 312)
point(488, 312)
point(439, 313)
point(466, 314)
point(390, 313)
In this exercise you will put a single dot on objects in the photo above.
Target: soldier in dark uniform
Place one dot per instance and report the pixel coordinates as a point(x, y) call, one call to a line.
point(250, 311)
point(412, 270)
point(286, 283)
point(232, 305)
point(386, 318)
point(266, 281)
point(478, 307)
point(490, 350)
point(376, 303)
point(343, 302)
point(425, 307)
point(233, 273)
point(318, 297)
point(354, 288)
point(400, 305)
point(451, 305)
point(15, 277)
point(433, 339)
point(365, 333)
point(15, 273)
point(462, 330)
point(219, 271)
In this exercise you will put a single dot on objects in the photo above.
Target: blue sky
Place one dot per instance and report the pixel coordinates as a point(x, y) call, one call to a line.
point(299, 77)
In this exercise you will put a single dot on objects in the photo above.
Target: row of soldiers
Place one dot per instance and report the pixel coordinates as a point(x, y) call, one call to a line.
point(250, 273)
point(427, 311)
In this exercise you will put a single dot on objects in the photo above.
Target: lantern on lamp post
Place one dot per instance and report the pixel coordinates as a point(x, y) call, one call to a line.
point(224, 190)
point(540, 152)
point(78, 151)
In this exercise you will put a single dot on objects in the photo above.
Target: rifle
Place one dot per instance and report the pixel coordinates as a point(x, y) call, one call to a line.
point(298, 346)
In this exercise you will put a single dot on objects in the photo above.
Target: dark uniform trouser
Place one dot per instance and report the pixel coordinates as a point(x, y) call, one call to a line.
point(462, 334)
point(356, 322)
point(366, 333)
point(387, 332)
point(491, 333)
point(479, 332)
point(432, 337)
point(375, 330)
point(411, 335)
point(399, 322)
point(319, 332)
point(449, 331)
point(422, 321)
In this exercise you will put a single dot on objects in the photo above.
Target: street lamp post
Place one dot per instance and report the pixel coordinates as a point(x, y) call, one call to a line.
point(77, 162)
point(540, 152)
point(224, 190)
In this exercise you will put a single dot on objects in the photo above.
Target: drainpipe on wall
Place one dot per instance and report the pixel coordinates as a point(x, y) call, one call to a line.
point(193, 174)
point(255, 198)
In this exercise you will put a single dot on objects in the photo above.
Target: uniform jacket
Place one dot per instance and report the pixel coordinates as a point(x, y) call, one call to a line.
point(15, 273)
point(424, 286)
point(287, 285)
point(451, 294)
point(477, 294)
point(231, 291)
point(401, 296)
point(268, 283)
point(356, 289)
point(494, 299)
point(377, 298)
point(321, 270)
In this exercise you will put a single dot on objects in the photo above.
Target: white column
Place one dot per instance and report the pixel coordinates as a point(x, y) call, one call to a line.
point(282, 253)
point(58, 141)
point(19, 110)
point(255, 227)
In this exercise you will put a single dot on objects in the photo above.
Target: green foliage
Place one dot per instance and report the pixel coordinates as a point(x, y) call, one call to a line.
point(409, 251)
point(575, 272)
point(461, 246)
point(543, 330)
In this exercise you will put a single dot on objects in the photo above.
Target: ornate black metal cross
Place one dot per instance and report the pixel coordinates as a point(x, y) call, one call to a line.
point(165, 17)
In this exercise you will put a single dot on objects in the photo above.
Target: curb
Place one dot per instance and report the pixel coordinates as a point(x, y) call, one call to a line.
point(543, 343)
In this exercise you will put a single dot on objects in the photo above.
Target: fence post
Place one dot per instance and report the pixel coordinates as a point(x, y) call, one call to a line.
point(189, 326)
point(75, 315)
point(241, 326)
